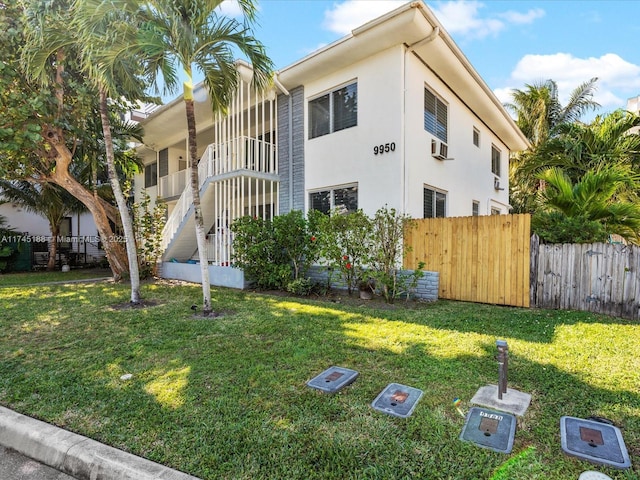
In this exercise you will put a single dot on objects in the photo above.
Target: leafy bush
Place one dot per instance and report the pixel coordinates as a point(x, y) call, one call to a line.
point(148, 224)
point(387, 252)
point(345, 245)
point(555, 227)
point(300, 286)
point(273, 253)
point(8, 249)
point(297, 237)
point(256, 251)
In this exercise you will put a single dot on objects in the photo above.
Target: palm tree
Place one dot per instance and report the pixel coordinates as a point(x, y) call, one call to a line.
point(103, 29)
point(539, 112)
point(50, 201)
point(579, 148)
point(49, 58)
point(605, 194)
point(191, 34)
point(540, 115)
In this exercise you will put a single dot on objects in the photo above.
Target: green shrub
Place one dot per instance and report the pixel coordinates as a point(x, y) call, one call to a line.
point(555, 227)
point(300, 286)
point(297, 236)
point(148, 224)
point(345, 245)
point(387, 253)
point(256, 251)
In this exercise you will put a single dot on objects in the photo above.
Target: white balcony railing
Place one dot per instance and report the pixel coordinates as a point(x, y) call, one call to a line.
point(235, 155)
point(174, 184)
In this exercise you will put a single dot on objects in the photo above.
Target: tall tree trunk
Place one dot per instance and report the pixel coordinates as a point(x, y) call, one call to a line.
point(113, 249)
point(53, 248)
point(197, 208)
point(127, 224)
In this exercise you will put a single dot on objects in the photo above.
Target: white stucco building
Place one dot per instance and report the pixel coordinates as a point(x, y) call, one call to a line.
point(392, 114)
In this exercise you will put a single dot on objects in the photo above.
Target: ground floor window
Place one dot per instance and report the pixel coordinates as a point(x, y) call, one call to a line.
point(435, 203)
point(343, 199)
point(475, 208)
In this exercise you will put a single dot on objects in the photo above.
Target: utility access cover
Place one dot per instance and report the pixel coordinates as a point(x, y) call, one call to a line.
point(397, 400)
point(333, 379)
point(490, 429)
point(593, 441)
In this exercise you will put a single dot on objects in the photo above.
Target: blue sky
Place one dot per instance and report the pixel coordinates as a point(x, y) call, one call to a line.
point(510, 43)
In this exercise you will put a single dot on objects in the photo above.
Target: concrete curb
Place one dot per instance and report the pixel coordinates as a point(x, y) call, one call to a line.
point(75, 454)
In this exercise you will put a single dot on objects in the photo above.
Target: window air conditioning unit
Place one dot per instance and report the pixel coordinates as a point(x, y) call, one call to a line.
point(496, 184)
point(439, 150)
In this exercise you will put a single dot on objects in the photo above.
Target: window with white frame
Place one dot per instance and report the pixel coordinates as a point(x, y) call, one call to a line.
point(435, 203)
point(435, 115)
point(343, 199)
point(475, 208)
point(495, 160)
point(334, 111)
point(495, 211)
point(476, 137)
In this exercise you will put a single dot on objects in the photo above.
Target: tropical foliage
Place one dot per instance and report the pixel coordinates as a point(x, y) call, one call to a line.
point(357, 251)
point(580, 180)
point(192, 35)
point(48, 107)
point(605, 195)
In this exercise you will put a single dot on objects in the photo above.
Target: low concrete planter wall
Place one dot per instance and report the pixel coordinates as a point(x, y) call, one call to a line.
point(218, 276)
point(426, 288)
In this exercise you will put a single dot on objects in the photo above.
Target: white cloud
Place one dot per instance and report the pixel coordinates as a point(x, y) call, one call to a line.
point(461, 17)
point(230, 8)
point(517, 18)
point(350, 14)
point(458, 16)
point(615, 75)
point(464, 18)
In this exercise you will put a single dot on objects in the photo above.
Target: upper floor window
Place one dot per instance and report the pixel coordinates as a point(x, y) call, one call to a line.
point(476, 137)
point(151, 175)
point(495, 160)
point(435, 115)
point(435, 203)
point(342, 199)
point(334, 111)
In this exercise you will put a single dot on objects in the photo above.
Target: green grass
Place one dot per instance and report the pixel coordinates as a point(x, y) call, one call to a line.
point(30, 278)
point(226, 397)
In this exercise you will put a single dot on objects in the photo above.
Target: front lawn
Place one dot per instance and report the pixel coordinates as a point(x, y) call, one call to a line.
point(226, 397)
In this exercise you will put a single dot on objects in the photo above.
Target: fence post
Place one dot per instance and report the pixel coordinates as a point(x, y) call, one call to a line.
point(534, 252)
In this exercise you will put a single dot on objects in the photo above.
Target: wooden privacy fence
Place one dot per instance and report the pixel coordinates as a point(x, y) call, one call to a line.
point(597, 277)
point(480, 259)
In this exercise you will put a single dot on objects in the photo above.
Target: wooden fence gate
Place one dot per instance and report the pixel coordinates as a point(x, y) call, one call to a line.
point(483, 259)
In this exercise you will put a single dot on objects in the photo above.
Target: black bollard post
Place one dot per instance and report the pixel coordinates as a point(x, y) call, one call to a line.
point(503, 363)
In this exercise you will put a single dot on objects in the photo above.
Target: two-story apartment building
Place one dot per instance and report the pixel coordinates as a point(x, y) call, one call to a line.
point(392, 114)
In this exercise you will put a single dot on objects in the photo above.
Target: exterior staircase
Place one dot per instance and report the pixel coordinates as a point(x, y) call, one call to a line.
point(241, 160)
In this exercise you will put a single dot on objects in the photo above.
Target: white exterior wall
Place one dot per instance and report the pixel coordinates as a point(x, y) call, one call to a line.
point(384, 116)
point(33, 224)
point(346, 156)
point(466, 178)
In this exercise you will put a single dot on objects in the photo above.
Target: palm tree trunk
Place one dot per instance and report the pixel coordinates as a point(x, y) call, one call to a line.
point(53, 248)
point(115, 252)
point(127, 224)
point(195, 187)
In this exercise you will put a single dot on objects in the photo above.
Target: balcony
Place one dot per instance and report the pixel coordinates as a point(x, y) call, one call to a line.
point(241, 155)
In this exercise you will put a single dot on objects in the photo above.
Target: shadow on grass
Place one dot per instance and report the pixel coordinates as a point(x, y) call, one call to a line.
point(227, 398)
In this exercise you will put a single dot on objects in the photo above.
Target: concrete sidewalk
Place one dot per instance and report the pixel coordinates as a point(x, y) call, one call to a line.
point(76, 455)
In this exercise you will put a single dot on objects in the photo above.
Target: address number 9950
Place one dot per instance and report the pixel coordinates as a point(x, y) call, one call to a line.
point(384, 148)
